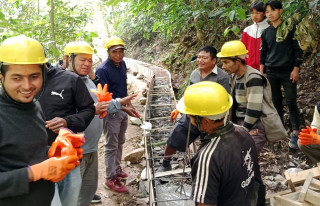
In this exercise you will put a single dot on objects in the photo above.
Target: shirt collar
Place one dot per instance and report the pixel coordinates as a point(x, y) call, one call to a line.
point(214, 70)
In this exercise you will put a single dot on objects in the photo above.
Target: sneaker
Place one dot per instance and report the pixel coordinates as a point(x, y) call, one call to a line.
point(96, 198)
point(115, 185)
point(163, 168)
point(122, 174)
point(293, 142)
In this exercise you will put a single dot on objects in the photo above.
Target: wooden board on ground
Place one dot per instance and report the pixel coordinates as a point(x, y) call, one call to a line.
point(305, 197)
point(171, 172)
point(299, 177)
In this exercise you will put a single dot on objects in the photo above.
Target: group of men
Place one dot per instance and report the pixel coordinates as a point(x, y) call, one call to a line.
point(254, 106)
point(41, 100)
point(234, 110)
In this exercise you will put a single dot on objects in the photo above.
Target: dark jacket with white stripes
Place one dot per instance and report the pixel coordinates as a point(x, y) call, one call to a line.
point(225, 170)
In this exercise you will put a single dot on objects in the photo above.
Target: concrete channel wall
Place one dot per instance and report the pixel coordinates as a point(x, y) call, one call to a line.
point(165, 189)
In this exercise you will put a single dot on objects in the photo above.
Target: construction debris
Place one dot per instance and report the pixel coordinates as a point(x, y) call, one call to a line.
point(308, 194)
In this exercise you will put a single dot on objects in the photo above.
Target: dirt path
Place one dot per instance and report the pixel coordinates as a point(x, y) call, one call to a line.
point(134, 136)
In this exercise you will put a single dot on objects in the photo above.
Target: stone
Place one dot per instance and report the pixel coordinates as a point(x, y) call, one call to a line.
point(143, 101)
point(143, 189)
point(131, 180)
point(134, 73)
point(135, 121)
point(135, 155)
point(279, 178)
point(275, 169)
point(141, 76)
point(142, 202)
point(145, 93)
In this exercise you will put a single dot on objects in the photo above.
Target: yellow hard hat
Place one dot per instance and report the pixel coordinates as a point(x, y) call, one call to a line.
point(232, 49)
point(22, 50)
point(113, 41)
point(205, 99)
point(67, 47)
point(78, 47)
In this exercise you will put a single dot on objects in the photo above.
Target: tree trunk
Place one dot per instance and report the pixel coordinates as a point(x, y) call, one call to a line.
point(53, 36)
point(200, 34)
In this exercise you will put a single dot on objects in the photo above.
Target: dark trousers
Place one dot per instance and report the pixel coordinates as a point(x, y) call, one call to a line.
point(280, 76)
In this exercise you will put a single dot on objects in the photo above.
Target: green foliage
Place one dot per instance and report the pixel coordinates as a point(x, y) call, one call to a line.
point(29, 18)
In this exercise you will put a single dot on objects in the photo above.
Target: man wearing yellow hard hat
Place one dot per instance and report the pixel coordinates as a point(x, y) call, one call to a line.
point(225, 169)
point(26, 172)
point(113, 72)
point(80, 62)
point(66, 102)
point(252, 93)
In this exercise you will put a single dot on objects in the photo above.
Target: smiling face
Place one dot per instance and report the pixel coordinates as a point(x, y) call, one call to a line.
point(205, 61)
point(116, 55)
point(22, 82)
point(82, 63)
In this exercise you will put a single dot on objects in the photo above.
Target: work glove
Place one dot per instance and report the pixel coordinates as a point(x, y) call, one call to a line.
point(103, 96)
point(54, 168)
point(174, 115)
point(309, 136)
point(67, 143)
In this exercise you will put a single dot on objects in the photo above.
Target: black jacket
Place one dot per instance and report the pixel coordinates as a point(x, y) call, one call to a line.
point(67, 96)
point(279, 54)
point(23, 142)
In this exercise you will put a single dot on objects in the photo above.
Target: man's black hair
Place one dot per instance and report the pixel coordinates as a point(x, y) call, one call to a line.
point(3, 69)
point(259, 6)
point(209, 49)
point(274, 4)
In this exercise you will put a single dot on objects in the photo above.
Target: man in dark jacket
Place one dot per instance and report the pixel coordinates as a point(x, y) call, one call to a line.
point(26, 176)
point(281, 60)
point(225, 169)
point(66, 102)
point(113, 72)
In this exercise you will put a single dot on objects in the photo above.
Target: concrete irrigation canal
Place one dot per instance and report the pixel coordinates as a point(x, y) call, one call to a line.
point(171, 187)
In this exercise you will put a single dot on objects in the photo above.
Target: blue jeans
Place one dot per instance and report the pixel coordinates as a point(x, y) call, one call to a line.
point(68, 189)
point(280, 76)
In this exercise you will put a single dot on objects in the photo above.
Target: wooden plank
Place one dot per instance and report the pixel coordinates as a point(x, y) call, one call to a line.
point(171, 172)
point(269, 196)
point(161, 128)
point(289, 181)
point(272, 202)
point(156, 118)
point(312, 197)
point(283, 201)
point(305, 187)
point(300, 177)
point(315, 183)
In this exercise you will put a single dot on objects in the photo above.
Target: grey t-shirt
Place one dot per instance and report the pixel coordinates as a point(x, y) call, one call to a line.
point(217, 75)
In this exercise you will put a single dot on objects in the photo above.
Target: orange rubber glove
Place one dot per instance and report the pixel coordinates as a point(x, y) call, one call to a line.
point(174, 115)
point(103, 96)
point(54, 168)
point(66, 144)
point(309, 136)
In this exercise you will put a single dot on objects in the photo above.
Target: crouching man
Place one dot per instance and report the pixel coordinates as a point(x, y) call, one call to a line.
point(225, 170)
